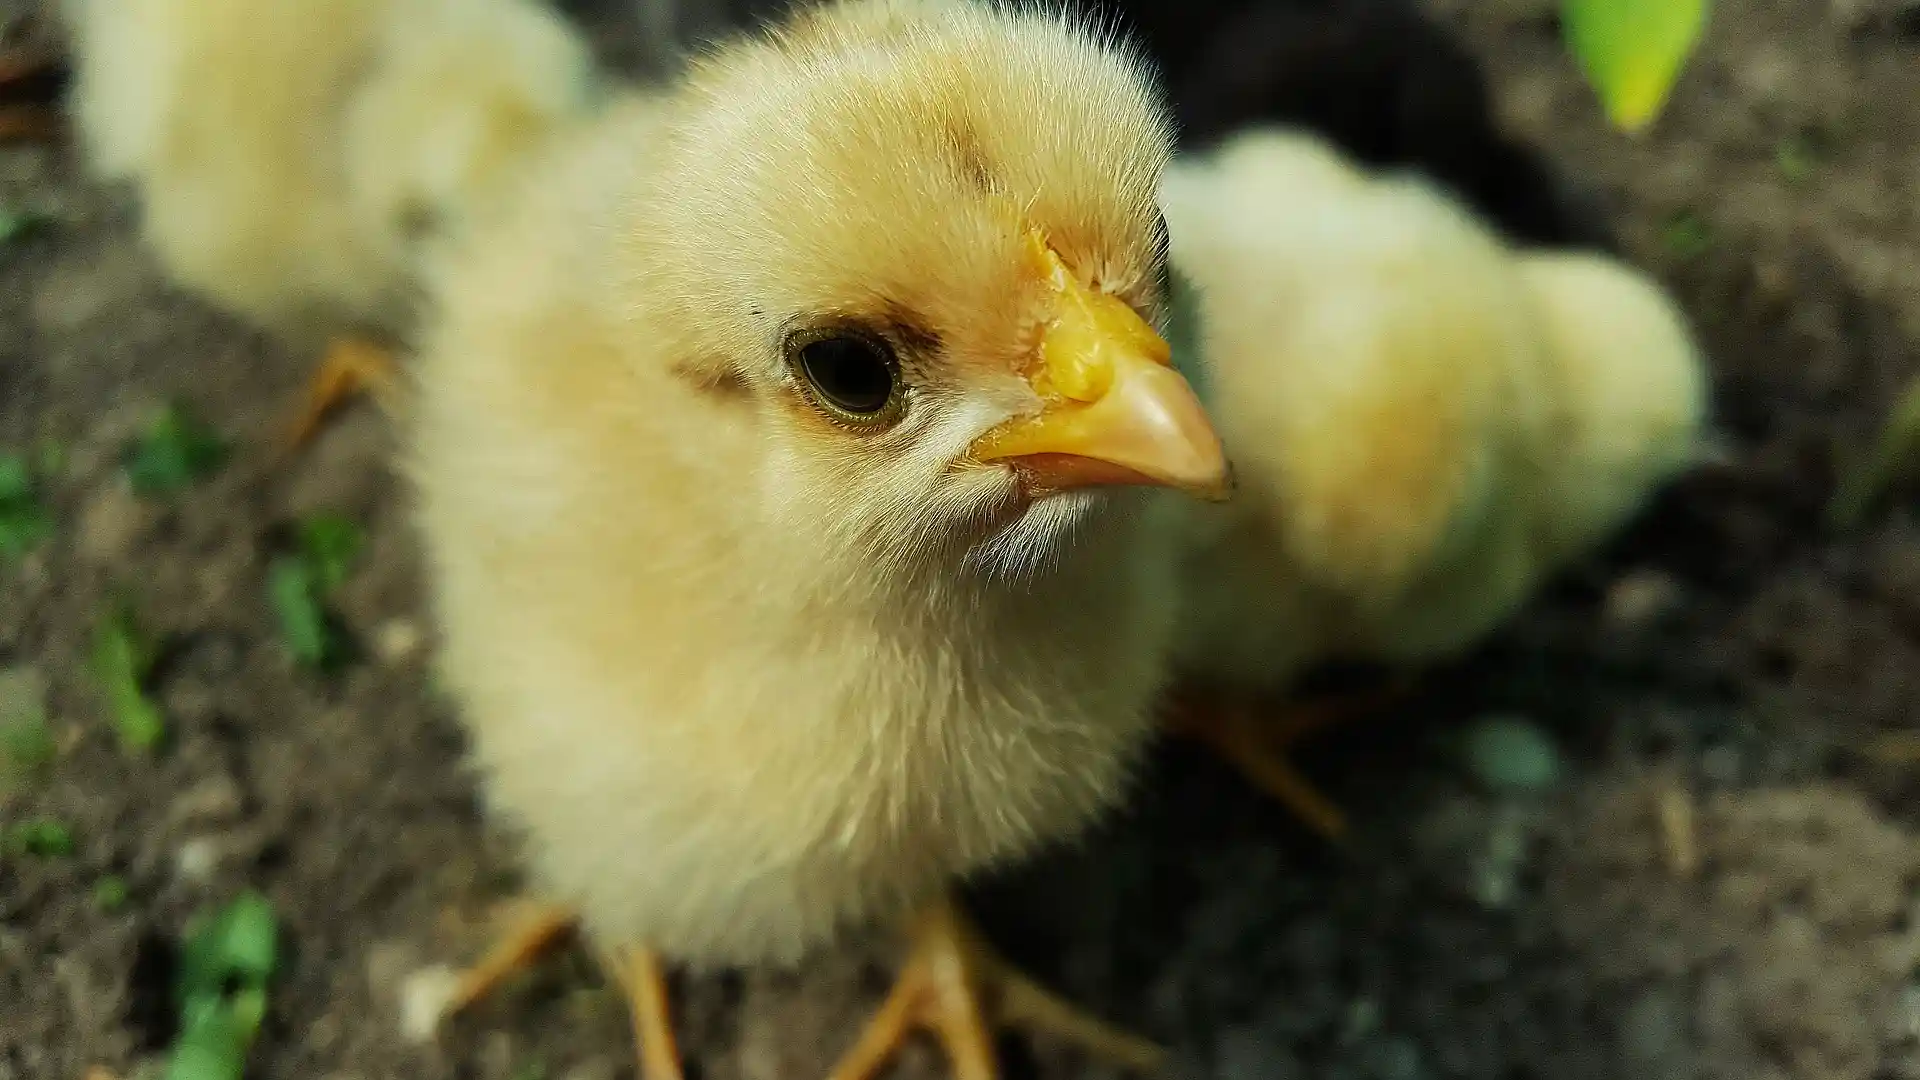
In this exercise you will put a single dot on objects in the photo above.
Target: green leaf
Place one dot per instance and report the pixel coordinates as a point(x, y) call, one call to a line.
point(1893, 453)
point(213, 1045)
point(110, 893)
point(121, 659)
point(16, 478)
point(42, 837)
point(24, 522)
point(16, 222)
point(1632, 51)
point(330, 543)
point(294, 594)
point(236, 945)
point(1687, 235)
point(174, 453)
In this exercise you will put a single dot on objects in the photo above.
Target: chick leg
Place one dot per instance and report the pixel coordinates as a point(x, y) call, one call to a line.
point(646, 986)
point(951, 979)
point(1256, 743)
point(542, 931)
point(638, 971)
point(349, 366)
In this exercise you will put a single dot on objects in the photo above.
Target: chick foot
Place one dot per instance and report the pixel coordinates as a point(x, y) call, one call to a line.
point(950, 979)
point(1256, 743)
point(350, 366)
point(638, 970)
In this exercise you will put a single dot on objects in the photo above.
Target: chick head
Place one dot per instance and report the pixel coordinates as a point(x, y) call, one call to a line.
point(458, 98)
point(918, 240)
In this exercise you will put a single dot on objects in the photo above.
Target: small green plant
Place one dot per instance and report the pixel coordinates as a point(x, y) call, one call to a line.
point(122, 659)
point(18, 221)
point(24, 520)
point(1633, 51)
point(299, 583)
point(225, 965)
point(177, 451)
point(110, 894)
point(1686, 235)
point(1891, 458)
point(43, 838)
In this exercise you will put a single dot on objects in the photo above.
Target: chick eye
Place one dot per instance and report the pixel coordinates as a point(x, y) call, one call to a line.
point(851, 374)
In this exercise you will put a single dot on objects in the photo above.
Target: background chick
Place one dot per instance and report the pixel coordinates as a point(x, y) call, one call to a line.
point(768, 468)
point(1425, 425)
point(1384, 80)
point(291, 166)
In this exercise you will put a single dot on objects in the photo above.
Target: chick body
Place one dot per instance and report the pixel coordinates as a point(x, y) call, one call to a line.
point(291, 162)
point(1425, 423)
point(745, 676)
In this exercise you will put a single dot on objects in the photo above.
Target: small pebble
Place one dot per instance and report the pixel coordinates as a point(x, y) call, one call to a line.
point(397, 639)
point(197, 860)
point(1510, 755)
point(212, 801)
point(425, 997)
point(1640, 598)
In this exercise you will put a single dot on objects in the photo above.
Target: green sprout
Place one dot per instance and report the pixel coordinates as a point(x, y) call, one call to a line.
point(1892, 456)
point(122, 660)
point(24, 520)
point(1633, 51)
point(177, 451)
point(225, 965)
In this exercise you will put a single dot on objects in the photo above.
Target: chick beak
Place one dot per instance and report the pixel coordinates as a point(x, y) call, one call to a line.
point(1114, 411)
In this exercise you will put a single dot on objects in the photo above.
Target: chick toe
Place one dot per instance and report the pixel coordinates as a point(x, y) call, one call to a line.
point(350, 366)
point(1255, 742)
point(951, 978)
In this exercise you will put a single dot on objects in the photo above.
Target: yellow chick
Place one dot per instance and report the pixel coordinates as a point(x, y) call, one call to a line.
point(792, 472)
point(292, 163)
point(1426, 424)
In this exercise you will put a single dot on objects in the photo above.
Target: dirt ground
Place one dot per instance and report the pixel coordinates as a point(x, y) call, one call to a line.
point(1715, 677)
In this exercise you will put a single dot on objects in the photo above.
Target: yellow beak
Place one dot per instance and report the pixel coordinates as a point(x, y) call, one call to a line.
point(1114, 410)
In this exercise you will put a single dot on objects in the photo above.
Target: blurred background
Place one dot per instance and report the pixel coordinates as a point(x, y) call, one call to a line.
point(1656, 828)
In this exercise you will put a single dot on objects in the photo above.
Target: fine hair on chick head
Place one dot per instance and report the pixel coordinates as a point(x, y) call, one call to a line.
point(877, 165)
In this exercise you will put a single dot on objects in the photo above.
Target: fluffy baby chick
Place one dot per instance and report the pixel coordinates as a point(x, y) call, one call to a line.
point(1425, 423)
point(293, 163)
point(792, 474)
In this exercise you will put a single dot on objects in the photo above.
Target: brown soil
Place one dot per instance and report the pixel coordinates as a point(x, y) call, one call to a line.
point(1728, 657)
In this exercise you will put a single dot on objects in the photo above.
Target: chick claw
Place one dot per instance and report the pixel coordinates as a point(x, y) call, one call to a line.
point(941, 988)
point(1256, 744)
point(638, 970)
point(350, 365)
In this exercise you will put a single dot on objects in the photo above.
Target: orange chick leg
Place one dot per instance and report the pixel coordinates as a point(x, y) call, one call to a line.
point(638, 970)
point(350, 366)
point(951, 981)
point(1256, 743)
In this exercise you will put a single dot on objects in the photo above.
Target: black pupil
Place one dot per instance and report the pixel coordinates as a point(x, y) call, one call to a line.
point(850, 372)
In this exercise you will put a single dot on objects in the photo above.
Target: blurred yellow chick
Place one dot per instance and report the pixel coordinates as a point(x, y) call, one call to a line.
point(793, 474)
point(295, 162)
point(1425, 423)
